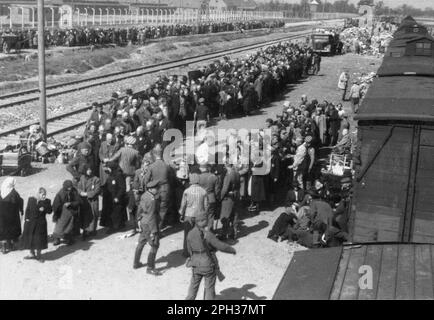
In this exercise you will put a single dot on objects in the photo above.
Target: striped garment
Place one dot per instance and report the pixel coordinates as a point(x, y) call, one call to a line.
point(129, 160)
point(194, 201)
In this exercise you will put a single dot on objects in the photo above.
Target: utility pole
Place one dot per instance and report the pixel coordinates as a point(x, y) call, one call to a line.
point(41, 68)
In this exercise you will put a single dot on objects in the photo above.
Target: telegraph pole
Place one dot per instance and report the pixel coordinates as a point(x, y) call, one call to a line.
point(41, 69)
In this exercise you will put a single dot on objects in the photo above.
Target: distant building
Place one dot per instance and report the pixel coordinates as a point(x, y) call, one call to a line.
point(367, 16)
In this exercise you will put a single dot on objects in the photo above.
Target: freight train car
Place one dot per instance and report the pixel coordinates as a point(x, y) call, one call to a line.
point(392, 213)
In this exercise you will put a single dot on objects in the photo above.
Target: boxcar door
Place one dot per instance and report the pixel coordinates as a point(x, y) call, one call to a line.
point(423, 208)
point(380, 195)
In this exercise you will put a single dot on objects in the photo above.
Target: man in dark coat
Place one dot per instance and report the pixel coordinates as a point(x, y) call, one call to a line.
point(89, 188)
point(202, 245)
point(334, 124)
point(148, 220)
point(229, 198)
point(66, 206)
point(280, 226)
point(114, 206)
point(249, 97)
point(97, 116)
point(107, 150)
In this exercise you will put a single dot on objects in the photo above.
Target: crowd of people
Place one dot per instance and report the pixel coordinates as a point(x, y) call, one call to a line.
point(120, 158)
point(135, 35)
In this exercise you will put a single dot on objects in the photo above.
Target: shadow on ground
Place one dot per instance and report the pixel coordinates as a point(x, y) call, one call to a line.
point(242, 293)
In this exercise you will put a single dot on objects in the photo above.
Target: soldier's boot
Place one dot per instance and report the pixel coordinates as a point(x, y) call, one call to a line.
point(137, 264)
point(151, 264)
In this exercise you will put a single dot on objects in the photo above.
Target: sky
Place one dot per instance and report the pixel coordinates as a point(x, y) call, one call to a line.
point(422, 4)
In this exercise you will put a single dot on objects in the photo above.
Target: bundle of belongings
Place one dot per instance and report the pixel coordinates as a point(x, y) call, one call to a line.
point(360, 40)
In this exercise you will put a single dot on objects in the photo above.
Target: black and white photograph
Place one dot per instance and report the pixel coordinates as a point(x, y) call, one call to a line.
point(238, 151)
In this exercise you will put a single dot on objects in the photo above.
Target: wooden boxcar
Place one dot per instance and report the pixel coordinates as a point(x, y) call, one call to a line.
point(394, 185)
point(386, 271)
point(392, 215)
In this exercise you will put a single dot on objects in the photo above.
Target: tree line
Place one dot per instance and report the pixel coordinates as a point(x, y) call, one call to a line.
point(301, 9)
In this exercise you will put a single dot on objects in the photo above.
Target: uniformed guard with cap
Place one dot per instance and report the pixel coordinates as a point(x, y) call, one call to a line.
point(159, 171)
point(202, 245)
point(149, 231)
point(229, 196)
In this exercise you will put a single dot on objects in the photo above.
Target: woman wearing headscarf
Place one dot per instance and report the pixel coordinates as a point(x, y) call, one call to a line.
point(114, 212)
point(11, 206)
point(35, 225)
point(65, 213)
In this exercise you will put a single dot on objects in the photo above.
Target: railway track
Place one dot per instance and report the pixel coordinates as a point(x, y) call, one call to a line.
point(71, 120)
point(29, 95)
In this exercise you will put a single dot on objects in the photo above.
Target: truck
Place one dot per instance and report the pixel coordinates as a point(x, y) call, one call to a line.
point(325, 43)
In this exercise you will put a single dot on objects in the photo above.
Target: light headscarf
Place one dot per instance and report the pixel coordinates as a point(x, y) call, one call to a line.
point(7, 186)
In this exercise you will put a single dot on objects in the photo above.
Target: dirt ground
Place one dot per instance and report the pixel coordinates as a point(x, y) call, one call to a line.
point(101, 268)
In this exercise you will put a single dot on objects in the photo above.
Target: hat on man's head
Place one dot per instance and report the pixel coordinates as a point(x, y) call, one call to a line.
point(152, 184)
point(129, 91)
point(115, 95)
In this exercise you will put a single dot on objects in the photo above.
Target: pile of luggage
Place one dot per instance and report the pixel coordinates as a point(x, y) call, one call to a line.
point(361, 40)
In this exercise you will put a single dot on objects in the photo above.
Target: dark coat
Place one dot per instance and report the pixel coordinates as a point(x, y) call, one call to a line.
point(106, 151)
point(89, 205)
point(114, 214)
point(195, 245)
point(229, 193)
point(35, 225)
point(65, 216)
point(10, 208)
point(78, 165)
point(97, 118)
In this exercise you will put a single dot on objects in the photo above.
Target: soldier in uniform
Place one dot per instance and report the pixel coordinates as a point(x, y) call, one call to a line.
point(139, 188)
point(148, 220)
point(202, 245)
point(194, 202)
point(229, 198)
point(210, 183)
point(159, 171)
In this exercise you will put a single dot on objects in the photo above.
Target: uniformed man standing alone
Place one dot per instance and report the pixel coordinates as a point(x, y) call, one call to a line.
point(148, 220)
point(202, 245)
point(159, 171)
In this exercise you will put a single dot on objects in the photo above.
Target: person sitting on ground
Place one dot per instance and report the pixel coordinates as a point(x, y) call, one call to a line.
point(286, 219)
